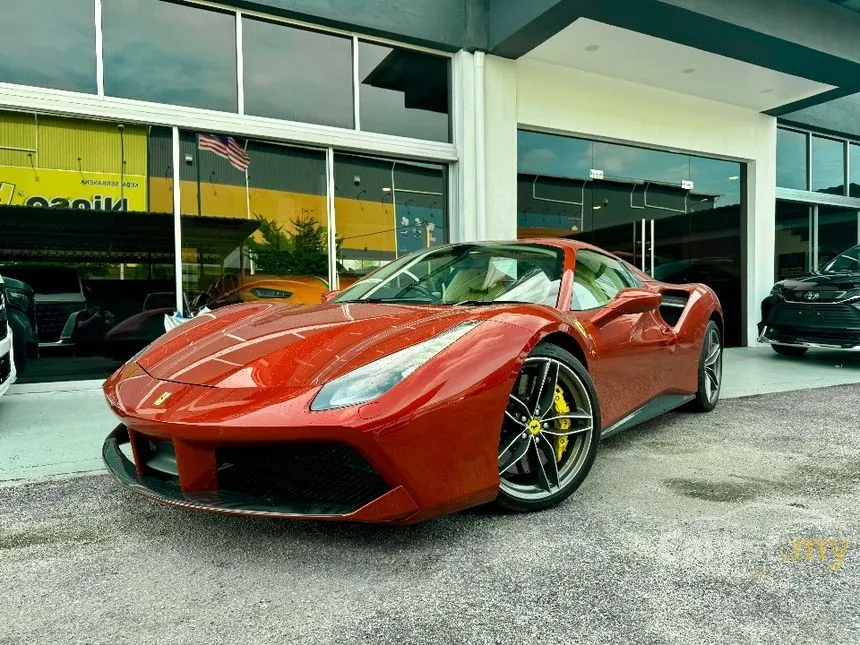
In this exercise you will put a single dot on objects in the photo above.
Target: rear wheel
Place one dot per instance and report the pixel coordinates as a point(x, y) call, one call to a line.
point(550, 433)
point(789, 350)
point(710, 370)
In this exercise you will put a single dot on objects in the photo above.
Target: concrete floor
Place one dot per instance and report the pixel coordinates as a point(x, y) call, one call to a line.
point(687, 531)
point(58, 428)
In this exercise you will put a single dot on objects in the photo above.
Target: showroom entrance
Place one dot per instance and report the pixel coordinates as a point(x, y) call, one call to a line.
point(676, 217)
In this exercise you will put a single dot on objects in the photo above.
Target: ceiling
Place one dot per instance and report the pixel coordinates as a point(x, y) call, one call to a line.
point(631, 56)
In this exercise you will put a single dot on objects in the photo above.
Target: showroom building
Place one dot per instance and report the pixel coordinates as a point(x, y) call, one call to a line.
point(161, 156)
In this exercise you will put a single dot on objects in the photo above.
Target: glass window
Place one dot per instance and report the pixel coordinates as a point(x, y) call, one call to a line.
point(404, 92)
point(828, 166)
point(385, 209)
point(297, 74)
point(86, 221)
point(854, 161)
point(793, 240)
point(837, 230)
point(170, 53)
point(469, 272)
point(254, 222)
point(848, 260)
point(49, 44)
point(549, 155)
point(792, 163)
point(629, 162)
point(597, 279)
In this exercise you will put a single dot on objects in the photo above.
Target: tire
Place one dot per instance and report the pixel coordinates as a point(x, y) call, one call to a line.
point(526, 481)
point(789, 350)
point(710, 370)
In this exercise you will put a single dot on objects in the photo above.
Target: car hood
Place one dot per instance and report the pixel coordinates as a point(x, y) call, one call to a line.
point(283, 345)
point(841, 281)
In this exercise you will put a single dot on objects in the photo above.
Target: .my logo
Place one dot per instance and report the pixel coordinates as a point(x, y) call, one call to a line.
point(817, 548)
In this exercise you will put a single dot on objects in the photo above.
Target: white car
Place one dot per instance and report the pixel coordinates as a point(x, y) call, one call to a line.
point(7, 359)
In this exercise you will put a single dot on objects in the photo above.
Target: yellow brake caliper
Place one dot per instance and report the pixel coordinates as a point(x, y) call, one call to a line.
point(560, 406)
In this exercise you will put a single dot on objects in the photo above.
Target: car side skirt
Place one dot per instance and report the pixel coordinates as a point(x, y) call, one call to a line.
point(651, 410)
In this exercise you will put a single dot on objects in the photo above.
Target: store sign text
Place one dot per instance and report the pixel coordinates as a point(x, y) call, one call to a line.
point(97, 203)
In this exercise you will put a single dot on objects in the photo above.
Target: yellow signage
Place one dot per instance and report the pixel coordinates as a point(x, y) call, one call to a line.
point(45, 188)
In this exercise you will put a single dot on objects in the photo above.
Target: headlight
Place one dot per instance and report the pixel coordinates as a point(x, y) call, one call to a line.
point(375, 379)
point(17, 299)
point(777, 290)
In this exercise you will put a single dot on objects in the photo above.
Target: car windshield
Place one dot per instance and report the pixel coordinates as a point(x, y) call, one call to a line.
point(466, 274)
point(846, 261)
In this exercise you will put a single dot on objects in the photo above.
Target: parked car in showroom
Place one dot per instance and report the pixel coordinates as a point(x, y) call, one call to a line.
point(21, 312)
point(449, 378)
point(7, 357)
point(59, 299)
point(820, 309)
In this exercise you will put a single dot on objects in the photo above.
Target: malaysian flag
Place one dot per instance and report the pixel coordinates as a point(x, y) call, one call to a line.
point(226, 147)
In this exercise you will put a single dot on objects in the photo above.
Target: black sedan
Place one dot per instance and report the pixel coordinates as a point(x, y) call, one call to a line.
point(821, 309)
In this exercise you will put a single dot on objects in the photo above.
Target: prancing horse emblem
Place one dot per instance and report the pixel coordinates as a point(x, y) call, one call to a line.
point(810, 295)
point(162, 399)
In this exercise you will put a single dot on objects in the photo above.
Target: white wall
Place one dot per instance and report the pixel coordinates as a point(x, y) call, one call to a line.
point(558, 99)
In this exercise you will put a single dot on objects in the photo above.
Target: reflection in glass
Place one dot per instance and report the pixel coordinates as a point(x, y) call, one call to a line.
point(297, 74)
point(385, 209)
point(792, 162)
point(837, 231)
point(49, 44)
point(828, 166)
point(793, 240)
point(854, 161)
point(85, 223)
point(553, 156)
point(629, 162)
point(170, 53)
point(404, 92)
point(254, 225)
point(642, 210)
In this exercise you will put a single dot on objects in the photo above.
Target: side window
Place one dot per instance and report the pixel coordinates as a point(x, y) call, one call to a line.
point(597, 279)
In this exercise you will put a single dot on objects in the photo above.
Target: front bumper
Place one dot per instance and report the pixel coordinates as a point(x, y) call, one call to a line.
point(799, 339)
point(813, 325)
point(259, 452)
point(7, 362)
point(391, 505)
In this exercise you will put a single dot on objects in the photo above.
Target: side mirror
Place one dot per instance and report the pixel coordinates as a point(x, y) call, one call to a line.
point(328, 295)
point(627, 301)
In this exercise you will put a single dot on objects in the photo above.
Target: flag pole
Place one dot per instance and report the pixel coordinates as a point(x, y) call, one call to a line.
point(197, 164)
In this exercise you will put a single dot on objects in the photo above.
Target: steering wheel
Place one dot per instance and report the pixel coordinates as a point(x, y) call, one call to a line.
point(422, 290)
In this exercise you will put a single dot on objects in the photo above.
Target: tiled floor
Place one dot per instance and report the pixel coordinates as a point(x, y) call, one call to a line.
point(759, 370)
point(58, 428)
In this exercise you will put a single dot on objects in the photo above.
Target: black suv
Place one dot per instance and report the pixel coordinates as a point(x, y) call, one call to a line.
point(21, 312)
point(821, 309)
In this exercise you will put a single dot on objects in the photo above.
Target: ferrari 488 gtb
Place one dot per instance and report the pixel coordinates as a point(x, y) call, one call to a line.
point(449, 378)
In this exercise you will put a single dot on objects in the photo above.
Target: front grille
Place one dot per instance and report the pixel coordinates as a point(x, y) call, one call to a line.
point(313, 478)
point(5, 368)
point(52, 318)
point(835, 317)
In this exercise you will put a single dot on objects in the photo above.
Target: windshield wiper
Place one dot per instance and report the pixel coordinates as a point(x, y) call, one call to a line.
point(479, 303)
point(388, 300)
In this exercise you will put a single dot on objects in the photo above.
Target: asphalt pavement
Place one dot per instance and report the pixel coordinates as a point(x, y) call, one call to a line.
point(686, 531)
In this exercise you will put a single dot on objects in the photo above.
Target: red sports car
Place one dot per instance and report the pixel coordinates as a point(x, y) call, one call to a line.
point(449, 378)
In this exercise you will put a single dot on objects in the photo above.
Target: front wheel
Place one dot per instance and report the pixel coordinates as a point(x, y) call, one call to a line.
point(789, 350)
point(550, 432)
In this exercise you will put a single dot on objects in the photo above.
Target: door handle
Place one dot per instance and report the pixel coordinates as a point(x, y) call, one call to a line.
point(667, 331)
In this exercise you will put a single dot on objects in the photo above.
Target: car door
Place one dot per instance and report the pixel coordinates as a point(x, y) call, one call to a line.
point(633, 351)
